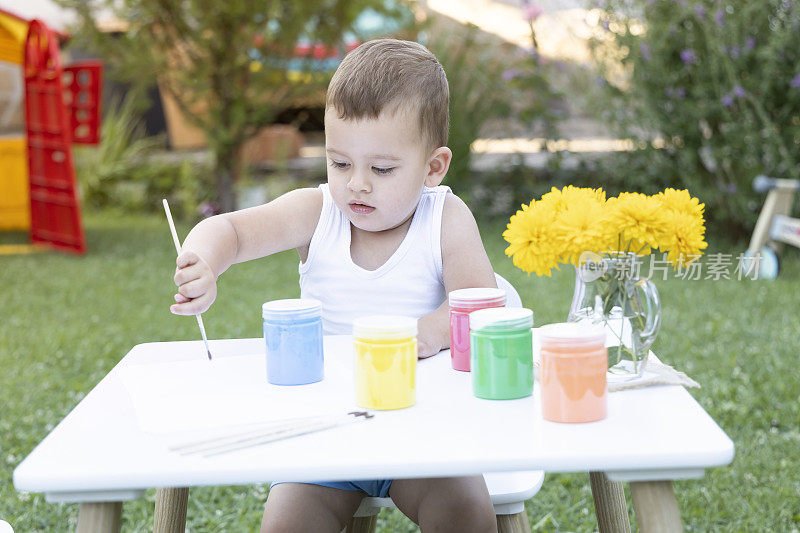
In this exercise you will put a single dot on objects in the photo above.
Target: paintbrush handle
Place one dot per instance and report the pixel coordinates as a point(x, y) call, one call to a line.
point(172, 227)
point(239, 432)
point(279, 432)
point(259, 434)
point(271, 435)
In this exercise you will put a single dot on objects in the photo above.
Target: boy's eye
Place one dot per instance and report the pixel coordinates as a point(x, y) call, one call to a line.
point(381, 170)
point(338, 164)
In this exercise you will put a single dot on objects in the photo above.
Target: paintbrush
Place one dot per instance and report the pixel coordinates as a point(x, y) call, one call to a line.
point(265, 433)
point(178, 250)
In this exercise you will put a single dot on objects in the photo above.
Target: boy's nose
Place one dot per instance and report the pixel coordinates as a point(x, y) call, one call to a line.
point(357, 183)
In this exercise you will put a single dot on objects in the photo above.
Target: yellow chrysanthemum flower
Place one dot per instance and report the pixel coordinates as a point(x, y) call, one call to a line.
point(684, 238)
point(572, 220)
point(572, 194)
point(561, 199)
point(580, 228)
point(638, 220)
point(529, 234)
point(681, 202)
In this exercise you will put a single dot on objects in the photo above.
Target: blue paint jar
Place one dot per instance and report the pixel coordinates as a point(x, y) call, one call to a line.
point(293, 337)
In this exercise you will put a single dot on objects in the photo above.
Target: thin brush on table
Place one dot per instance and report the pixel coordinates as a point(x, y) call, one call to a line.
point(178, 250)
point(265, 433)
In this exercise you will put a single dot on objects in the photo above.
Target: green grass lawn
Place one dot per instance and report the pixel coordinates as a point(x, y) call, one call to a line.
point(65, 321)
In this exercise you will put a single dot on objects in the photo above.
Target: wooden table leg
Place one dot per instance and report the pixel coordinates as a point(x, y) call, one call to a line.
point(99, 517)
point(609, 504)
point(513, 523)
point(362, 524)
point(656, 507)
point(170, 515)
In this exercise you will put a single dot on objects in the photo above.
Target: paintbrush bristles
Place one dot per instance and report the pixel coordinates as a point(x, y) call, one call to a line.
point(203, 333)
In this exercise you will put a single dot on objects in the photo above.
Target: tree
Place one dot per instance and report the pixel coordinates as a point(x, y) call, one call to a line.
point(229, 65)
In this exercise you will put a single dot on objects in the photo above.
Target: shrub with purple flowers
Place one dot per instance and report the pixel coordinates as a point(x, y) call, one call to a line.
point(717, 83)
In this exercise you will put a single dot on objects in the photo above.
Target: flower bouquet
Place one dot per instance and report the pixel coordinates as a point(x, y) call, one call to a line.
point(605, 240)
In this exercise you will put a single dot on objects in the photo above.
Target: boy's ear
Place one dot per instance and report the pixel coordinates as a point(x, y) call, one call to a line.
point(437, 166)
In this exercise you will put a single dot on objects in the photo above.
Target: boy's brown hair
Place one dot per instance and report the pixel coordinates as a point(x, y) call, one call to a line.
point(387, 73)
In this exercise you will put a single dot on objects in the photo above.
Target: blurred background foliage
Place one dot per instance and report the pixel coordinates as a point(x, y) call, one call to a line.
point(710, 92)
point(230, 67)
point(490, 82)
point(127, 170)
point(477, 94)
point(707, 92)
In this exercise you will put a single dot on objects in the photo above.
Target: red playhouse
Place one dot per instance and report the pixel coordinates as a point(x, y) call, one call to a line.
point(62, 107)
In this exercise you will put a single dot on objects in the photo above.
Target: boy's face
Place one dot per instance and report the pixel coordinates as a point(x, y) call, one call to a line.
point(376, 168)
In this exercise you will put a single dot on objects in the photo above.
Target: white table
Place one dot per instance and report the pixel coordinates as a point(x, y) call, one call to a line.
point(99, 453)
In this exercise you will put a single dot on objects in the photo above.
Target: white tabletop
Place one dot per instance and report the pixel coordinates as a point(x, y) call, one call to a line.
point(101, 451)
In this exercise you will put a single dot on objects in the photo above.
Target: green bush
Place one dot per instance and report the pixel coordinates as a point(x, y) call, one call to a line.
point(125, 170)
point(718, 83)
point(491, 81)
point(501, 192)
point(477, 93)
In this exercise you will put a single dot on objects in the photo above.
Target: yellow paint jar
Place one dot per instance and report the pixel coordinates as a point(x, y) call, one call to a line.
point(385, 348)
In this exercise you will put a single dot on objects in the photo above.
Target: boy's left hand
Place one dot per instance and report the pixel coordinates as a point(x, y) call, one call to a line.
point(429, 337)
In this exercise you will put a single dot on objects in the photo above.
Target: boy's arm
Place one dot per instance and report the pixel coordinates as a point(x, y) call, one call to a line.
point(464, 264)
point(216, 243)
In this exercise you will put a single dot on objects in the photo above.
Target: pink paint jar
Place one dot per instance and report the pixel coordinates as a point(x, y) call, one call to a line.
point(462, 303)
point(574, 361)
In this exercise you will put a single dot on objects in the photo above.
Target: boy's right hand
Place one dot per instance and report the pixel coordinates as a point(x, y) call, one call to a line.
point(197, 285)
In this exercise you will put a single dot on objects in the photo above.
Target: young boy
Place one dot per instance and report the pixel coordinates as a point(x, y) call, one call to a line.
point(380, 237)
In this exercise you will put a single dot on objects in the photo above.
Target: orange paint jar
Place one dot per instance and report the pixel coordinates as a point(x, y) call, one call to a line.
point(574, 361)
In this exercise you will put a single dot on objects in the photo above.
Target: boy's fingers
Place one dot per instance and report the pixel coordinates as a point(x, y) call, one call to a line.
point(194, 294)
point(186, 258)
point(182, 309)
point(185, 275)
point(424, 350)
point(192, 307)
point(193, 289)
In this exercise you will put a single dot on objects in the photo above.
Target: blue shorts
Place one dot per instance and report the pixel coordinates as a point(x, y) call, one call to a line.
point(377, 488)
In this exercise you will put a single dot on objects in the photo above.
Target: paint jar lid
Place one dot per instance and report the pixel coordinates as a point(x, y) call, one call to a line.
point(291, 310)
point(477, 298)
point(500, 319)
point(384, 327)
point(573, 333)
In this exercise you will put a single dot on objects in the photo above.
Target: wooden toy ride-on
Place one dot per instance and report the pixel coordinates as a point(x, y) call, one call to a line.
point(774, 228)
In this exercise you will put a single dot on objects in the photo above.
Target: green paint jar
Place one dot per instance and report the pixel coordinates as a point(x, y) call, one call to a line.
point(501, 353)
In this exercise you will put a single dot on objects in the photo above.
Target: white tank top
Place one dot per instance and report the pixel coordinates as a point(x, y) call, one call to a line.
point(410, 283)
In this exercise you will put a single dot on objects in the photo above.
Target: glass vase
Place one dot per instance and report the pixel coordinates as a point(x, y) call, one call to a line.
point(610, 291)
